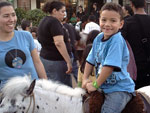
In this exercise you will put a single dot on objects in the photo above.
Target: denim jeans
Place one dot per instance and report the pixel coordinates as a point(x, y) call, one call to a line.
point(75, 69)
point(56, 71)
point(115, 102)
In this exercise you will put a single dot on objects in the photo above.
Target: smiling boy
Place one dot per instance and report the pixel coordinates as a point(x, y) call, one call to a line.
point(110, 56)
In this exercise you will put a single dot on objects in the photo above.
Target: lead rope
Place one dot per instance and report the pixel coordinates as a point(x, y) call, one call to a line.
point(32, 97)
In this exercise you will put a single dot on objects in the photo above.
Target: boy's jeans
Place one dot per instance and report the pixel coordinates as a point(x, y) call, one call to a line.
point(115, 102)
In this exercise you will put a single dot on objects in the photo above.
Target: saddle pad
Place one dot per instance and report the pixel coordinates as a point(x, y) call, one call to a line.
point(145, 91)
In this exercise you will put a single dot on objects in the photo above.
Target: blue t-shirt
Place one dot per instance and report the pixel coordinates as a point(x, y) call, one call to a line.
point(112, 52)
point(15, 56)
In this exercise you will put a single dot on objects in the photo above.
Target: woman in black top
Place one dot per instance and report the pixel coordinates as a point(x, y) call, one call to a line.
point(55, 53)
point(80, 13)
point(95, 12)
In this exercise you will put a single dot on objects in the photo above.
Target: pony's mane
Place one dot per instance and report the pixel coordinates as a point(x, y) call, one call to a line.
point(18, 85)
point(59, 88)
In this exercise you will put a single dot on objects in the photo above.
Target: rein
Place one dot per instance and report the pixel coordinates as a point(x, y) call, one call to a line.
point(32, 97)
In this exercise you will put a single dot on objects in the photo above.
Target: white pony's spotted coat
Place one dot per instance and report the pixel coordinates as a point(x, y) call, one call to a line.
point(50, 97)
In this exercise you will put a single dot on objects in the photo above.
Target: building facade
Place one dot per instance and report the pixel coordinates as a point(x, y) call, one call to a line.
point(70, 4)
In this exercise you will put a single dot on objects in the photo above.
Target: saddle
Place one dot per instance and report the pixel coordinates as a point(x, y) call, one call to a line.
point(93, 102)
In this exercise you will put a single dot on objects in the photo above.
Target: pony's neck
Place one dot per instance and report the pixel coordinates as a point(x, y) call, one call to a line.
point(57, 103)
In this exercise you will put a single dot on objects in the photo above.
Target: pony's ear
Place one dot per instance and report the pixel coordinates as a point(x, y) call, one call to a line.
point(31, 88)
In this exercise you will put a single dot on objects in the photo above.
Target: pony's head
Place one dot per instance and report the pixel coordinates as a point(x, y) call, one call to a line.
point(16, 95)
point(20, 96)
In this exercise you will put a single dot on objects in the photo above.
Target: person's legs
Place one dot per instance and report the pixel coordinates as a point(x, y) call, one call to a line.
point(115, 102)
point(75, 69)
point(56, 70)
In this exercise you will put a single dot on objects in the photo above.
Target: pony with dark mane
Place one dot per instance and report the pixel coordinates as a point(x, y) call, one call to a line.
point(21, 95)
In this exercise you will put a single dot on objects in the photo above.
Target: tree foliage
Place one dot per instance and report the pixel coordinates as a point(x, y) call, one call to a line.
point(35, 16)
point(21, 14)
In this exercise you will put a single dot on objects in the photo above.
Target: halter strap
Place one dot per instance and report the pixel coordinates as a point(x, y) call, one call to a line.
point(32, 97)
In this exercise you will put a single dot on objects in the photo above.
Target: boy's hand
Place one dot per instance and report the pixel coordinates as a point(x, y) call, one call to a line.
point(90, 88)
point(85, 82)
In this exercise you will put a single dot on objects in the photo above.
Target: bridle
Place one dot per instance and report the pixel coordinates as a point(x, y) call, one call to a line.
point(32, 97)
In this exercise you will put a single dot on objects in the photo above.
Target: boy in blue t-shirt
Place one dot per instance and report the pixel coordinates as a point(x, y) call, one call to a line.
point(110, 56)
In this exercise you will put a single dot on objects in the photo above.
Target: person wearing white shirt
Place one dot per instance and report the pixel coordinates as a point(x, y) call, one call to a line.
point(36, 42)
point(91, 25)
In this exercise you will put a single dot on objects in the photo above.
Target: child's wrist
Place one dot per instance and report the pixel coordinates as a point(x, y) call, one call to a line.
point(95, 84)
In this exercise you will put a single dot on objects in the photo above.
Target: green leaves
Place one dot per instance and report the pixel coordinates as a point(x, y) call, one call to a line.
point(34, 15)
point(21, 14)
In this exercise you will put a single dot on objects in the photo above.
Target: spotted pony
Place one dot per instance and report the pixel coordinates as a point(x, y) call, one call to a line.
point(21, 95)
point(44, 97)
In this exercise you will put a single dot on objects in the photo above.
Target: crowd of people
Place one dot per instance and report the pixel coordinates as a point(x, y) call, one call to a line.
point(109, 49)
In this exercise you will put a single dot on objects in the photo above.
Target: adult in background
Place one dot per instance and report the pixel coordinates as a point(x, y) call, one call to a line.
point(82, 42)
point(36, 42)
point(80, 12)
point(136, 31)
point(95, 12)
point(74, 39)
point(18, 55)
point(56, 51)
point(91, 25)
point(127, 10)
point(26, 25)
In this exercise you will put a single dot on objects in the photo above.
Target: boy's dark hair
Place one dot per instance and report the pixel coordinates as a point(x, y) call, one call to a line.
point(92, 18)
point(129, 9)
point(25, 24)
point(113, 7)
point(138, 3)
point(49, 6)
point(4, 3)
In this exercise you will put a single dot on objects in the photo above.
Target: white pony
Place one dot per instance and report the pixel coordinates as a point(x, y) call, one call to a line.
point(20, 96)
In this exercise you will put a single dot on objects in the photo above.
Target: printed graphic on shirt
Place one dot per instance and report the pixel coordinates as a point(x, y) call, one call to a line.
point(111, 80)
point(15, 58)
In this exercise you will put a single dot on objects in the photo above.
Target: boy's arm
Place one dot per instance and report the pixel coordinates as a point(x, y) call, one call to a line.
point(105, 73)
point(87, 71)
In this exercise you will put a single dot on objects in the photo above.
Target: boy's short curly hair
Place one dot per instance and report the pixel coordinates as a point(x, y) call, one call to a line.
point(113, 7)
